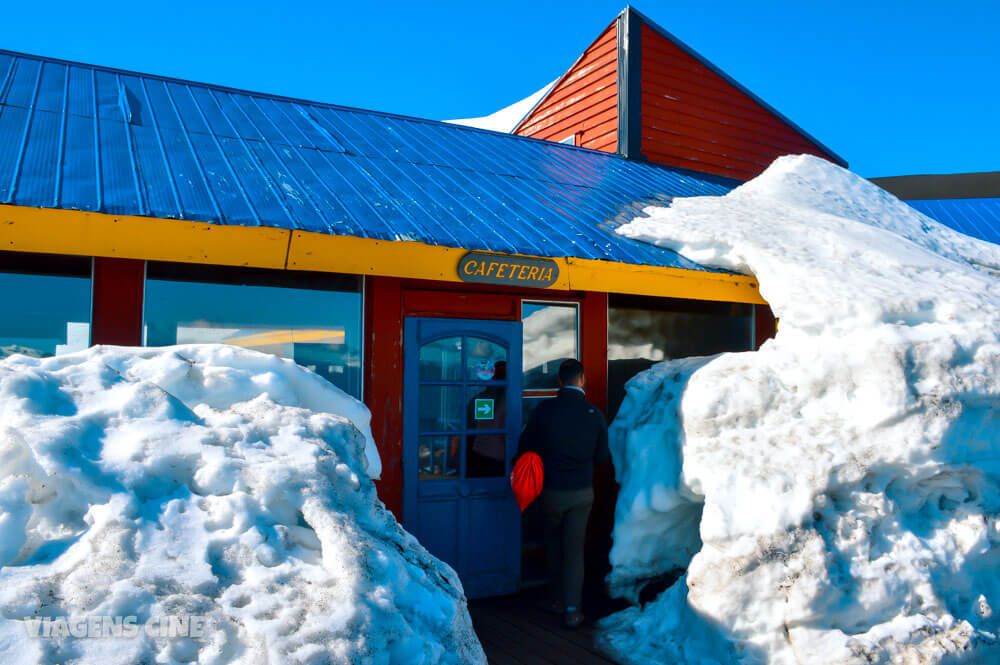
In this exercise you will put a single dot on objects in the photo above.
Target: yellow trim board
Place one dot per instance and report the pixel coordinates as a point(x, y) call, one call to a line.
point(326, 253)
point(55, 231)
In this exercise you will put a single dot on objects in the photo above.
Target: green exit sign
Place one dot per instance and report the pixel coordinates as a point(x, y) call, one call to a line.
point(484, 409)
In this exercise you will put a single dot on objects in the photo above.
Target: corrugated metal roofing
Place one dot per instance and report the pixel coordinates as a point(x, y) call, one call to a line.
point(979, 218)
point(91, 138)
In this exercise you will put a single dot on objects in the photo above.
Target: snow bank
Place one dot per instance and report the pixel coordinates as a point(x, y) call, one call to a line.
point(506, 119)
point(833, 497)
point(209, 482)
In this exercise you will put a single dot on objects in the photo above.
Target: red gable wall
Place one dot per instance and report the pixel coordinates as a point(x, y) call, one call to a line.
point(584, 101)
point(693, 118)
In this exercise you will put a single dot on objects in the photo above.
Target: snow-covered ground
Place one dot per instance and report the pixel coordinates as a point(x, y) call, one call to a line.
point(506, 119)
point(216, 500)
point(833, 497)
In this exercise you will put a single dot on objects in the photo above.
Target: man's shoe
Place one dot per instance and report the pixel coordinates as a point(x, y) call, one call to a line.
point(573, 618)
point(551, 606)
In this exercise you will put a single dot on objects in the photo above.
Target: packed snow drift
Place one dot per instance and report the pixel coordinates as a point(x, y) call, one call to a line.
point(204, 504)
point(506, 119)
point(833, 497)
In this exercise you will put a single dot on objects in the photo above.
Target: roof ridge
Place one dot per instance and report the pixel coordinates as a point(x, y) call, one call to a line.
point(295, 100)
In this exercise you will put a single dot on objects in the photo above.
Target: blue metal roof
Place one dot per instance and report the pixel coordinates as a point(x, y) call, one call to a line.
point(979, 218)
point(91, 138)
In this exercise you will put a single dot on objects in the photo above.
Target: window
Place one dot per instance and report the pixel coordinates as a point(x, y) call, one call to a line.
point(551, 335)
point(463, 397)
point(46, 308)
point(314, 319)
point(643, 331)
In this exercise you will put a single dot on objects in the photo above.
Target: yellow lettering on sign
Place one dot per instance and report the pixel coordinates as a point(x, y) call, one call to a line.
point(512, 271)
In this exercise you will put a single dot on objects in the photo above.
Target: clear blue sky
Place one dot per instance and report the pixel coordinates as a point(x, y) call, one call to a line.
point(893, 87)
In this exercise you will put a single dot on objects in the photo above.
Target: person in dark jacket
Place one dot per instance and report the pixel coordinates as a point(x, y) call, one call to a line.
point(571, 436)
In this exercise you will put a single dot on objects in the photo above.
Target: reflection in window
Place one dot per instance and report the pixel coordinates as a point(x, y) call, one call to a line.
point(643, 331)
point(471, 403)
point(484, 360)
point(441, 360)
point(528, 405)
point(550, 337)
point(437, 457)
point(311, 318)
point(46, 304)
point(441, 408)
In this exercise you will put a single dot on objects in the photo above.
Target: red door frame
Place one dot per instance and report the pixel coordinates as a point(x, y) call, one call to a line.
point(389, 300)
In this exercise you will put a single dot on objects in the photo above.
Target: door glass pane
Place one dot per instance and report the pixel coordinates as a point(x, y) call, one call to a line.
point(486, 407)
point(550, 337)
point(486, 360)
point(441, 360)
point(437, 457)
point(486, 452)
point(440, 408)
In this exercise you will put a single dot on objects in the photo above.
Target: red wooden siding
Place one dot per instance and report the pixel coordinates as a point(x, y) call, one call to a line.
point(117, 305)
point(693, 118)
point(383, 383)
point(584, 102)
point(594, 356)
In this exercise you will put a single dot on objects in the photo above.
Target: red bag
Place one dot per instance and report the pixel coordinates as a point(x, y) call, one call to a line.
point(526, 479)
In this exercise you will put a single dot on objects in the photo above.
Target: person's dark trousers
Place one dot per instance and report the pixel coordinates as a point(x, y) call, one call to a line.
point(566, 513)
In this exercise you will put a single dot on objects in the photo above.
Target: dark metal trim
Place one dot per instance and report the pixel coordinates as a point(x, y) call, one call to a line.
point(629, 89)
point(984, 185)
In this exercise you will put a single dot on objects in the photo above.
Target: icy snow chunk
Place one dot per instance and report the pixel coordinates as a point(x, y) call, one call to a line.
point(833, 497)
point(204, 483)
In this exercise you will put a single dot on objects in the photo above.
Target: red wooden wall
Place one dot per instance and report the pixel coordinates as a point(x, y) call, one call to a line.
point(584, 102)
point(690, 116)
point(694, 119)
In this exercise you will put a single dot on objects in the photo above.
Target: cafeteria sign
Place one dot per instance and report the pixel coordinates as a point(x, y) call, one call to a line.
point(508, 270)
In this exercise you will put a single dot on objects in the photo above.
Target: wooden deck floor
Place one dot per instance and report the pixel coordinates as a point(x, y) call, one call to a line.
point(514, 632)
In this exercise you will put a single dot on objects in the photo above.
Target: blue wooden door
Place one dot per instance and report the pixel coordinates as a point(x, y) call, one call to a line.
point(462, 417)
